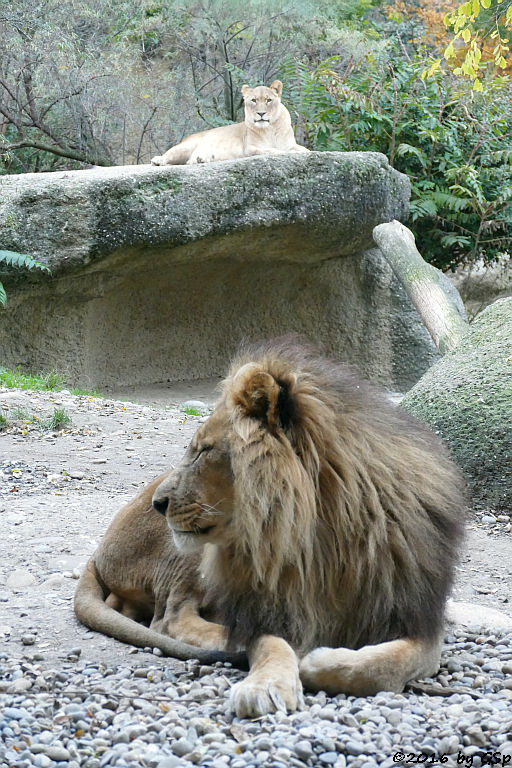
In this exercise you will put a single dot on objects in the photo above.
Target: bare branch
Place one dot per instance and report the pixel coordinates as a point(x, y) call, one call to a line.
point(61, 152)
point(144, 129)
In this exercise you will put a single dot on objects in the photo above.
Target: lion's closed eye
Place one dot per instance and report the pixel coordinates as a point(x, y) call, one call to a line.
point(200, 451)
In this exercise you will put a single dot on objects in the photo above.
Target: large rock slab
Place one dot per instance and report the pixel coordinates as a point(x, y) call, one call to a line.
point(158, 273)
point(467, 398)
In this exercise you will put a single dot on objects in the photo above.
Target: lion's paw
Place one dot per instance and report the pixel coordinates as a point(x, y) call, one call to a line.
point(156, 160)
point(328, 669)
point(254, 698)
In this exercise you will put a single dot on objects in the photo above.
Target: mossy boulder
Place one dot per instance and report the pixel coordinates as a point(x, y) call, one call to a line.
point(467, 398)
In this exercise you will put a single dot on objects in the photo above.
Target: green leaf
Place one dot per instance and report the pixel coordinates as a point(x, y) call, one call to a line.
point(20, 260)
point(3, 295)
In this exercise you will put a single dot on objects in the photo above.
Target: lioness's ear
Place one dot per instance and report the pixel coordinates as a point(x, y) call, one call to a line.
point(261, 397)
point(277, 86)
point(245, 89)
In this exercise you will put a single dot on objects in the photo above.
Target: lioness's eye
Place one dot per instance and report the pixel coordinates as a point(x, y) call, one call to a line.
point(269, 101)
point(253, 101)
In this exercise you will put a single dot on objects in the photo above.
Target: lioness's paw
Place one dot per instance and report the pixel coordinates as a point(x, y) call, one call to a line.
point(253, 698)
point(156, 160)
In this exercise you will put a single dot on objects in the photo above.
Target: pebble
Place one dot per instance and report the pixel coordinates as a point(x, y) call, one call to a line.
point(303, 750)
point(20, 579)
point(182, 747)
point(197, 405)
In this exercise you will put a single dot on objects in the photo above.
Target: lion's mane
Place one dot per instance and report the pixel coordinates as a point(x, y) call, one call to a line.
point(350, 512)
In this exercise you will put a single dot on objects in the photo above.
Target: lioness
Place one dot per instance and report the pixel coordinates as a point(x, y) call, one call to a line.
point(316, 523)
point(267, 129)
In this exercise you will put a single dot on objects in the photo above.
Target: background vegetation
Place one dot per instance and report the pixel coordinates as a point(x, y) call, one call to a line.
point(115, 83)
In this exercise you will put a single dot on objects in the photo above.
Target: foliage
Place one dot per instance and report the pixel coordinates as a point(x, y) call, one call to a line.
point(60, 419)
point(50, 381)
point(455, 147)
point(475, 24)
point(76, 88)
point(19, 261)
point(101, 83)
point(192, 412)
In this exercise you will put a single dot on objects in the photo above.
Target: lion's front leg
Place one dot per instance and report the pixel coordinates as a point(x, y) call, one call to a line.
point(273, 681)
point(383, 667)
point(185, 624)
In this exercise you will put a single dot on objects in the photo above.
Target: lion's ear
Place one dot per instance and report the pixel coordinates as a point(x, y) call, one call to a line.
point(261, 397)
point(277, 86)
point(245, 89)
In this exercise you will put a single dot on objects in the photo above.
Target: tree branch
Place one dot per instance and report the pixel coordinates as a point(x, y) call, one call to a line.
point(423, 284)
point(61, 152)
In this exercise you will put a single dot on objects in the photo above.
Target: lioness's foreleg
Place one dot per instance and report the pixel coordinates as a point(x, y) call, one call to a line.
point(185, 624)
point(383, 667)
point(273, 681)
point(177, 155)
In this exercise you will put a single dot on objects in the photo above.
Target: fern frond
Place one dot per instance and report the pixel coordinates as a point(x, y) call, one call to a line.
point(3, 295)
point(20, 260)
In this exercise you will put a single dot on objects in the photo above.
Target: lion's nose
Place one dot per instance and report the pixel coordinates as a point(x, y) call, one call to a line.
point(160, 504)
point(261, 114)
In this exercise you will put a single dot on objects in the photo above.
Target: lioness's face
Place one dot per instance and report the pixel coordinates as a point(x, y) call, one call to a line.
point(262, 104)
point(197, 497)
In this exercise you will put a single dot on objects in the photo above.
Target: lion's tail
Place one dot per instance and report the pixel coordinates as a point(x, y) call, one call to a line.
point(91, 610)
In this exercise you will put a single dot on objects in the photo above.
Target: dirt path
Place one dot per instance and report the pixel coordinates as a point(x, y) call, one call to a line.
point(58, 493)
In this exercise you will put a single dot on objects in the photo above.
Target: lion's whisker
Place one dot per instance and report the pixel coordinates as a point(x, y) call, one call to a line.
point(211, 508)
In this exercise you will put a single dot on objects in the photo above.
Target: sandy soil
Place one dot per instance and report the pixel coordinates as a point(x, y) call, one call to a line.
point(58, 492)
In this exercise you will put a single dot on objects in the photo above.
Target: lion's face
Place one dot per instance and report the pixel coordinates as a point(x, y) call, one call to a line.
point(239, 466)
point(262, 104)
point(197, 497)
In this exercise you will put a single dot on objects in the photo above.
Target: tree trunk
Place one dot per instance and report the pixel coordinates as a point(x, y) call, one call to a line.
point(423, 284)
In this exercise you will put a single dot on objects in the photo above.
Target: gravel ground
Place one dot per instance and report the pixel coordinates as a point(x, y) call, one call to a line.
point(71, 697)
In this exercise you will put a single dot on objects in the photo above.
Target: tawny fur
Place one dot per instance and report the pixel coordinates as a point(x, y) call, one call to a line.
point(338, 494)
point(317, 514)
point(267, 129)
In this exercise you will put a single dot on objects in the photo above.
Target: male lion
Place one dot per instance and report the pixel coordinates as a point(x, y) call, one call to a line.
point(267, 129)
point(315, 521)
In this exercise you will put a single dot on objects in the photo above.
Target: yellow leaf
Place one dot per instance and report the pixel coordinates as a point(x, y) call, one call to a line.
point(476, 7)
point(466, 35)
point(146, 96)
point(486, 3)
point(477, 85)
point(449, 52)
point(502, 63)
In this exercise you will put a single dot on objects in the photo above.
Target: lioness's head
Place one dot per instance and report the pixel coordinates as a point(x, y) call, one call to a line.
point(262, 103)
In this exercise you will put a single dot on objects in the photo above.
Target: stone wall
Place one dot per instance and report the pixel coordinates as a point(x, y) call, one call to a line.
point(158, 273)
